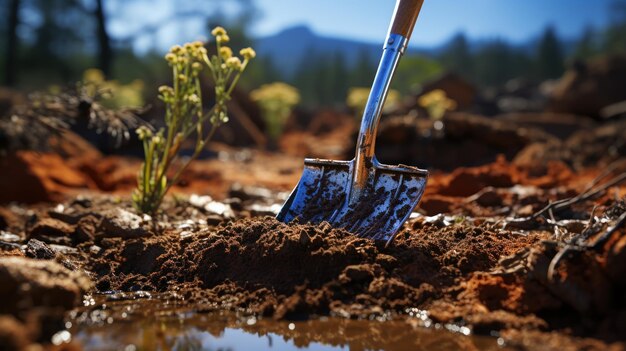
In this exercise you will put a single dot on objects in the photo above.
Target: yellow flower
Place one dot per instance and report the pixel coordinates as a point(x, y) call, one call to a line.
point(234, 63)
point(218, 31)
point(143, 132)
point(182, 78)
point(226, 52)
point(436, 103)
point(93, 75)
point(157, 139)
point(170, 58)
point(198, 44)
point(166, 91)
point(193, 98)
point(247, 53)
point(176, 49)
point(222, 39)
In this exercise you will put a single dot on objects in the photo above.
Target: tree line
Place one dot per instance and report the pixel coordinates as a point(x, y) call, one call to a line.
point(56, 40)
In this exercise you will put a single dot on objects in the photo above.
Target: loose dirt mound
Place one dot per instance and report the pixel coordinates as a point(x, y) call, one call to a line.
point(308, 269)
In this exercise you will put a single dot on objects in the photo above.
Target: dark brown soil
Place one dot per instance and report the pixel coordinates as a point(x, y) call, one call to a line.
point(463, 271)
point(475, 267)
point(305, 269)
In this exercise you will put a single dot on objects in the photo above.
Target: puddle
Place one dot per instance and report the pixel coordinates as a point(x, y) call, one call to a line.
point(144, 322)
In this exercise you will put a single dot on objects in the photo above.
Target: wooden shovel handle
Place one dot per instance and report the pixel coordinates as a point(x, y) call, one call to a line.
point(404, 17)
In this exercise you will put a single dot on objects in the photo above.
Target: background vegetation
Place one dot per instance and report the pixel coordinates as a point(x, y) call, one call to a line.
point(55, 41)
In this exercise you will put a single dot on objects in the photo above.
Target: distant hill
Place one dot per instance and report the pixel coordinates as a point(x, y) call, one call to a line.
point(294, 45)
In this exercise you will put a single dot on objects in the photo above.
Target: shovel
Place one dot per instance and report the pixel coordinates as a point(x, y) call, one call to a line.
point(363, 196)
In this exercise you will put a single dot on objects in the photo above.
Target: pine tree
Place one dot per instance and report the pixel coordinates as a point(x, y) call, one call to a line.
point(549, 60)
point(457, 56)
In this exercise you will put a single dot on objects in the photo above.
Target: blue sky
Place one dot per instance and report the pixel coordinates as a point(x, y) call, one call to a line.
point(513, 20)
point(516, 20)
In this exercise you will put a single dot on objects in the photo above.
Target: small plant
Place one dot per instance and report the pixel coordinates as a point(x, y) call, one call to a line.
point(276, 101)
point(185, 114)
point(436, 103)
point(357, 99)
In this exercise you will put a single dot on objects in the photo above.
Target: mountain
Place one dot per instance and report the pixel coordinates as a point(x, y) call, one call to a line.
point(297, 45)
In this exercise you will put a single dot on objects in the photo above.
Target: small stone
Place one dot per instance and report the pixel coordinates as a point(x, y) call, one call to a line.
point(213, 219)
point(122, 223)
point(48, 228)
point(94, 249)
point(234, 203)
point(86, 229)
point(42, 251)
point(39, 250)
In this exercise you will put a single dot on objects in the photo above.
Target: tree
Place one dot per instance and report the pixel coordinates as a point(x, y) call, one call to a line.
point(549, 60)
point(615, 36)
point(105, 53)
point(457, 56)
point(339, 78)
point(587, 45)
point(363, 73)
point(304, 78)
point(497, 62)
point(12, 44)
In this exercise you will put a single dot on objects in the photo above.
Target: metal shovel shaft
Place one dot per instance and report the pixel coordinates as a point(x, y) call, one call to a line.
point(395, 46)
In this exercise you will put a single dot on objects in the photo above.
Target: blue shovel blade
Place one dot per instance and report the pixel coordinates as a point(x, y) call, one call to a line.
point(378, 212)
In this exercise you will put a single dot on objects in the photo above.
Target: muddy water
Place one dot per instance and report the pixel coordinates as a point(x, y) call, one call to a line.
point(142, 321)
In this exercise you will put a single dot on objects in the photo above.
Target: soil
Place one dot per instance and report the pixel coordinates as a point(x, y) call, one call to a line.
point(473, 267)
point(508, 240)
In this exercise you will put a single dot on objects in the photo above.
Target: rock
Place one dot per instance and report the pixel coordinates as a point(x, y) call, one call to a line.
point(39, 250)
point(29, 283)
point(122, 223)
point(50, 230)
point(214, 219)
point(588, 87)
point(86, 228)
point(42, 251)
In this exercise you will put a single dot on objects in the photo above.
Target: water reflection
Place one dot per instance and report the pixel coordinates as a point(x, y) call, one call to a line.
point(159, 323)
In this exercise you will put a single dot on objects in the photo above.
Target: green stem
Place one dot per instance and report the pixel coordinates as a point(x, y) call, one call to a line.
point(196, 153)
